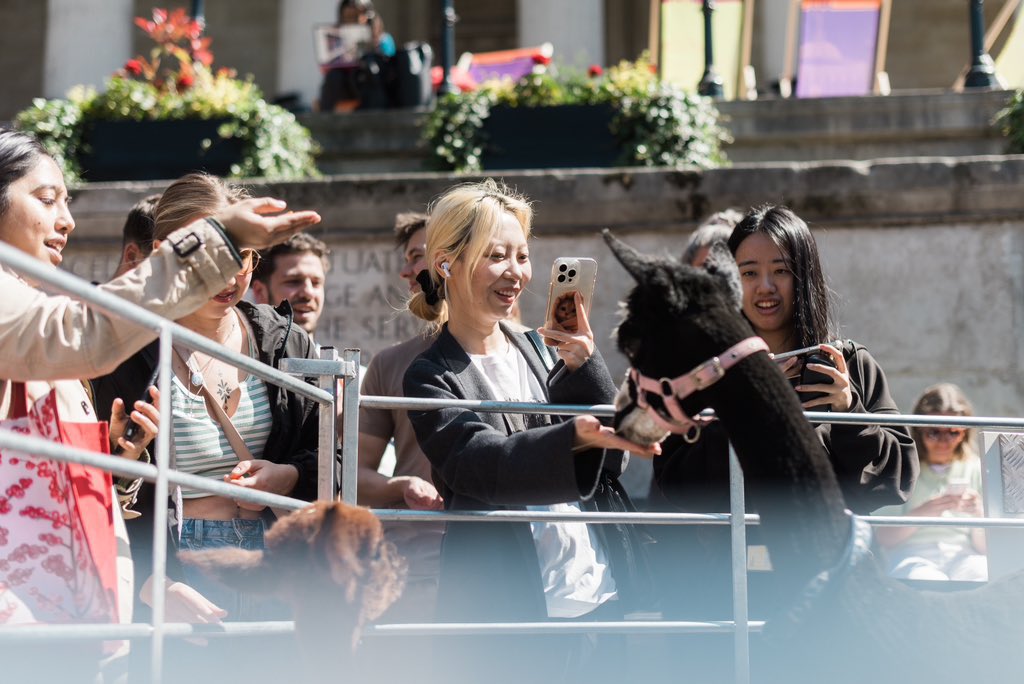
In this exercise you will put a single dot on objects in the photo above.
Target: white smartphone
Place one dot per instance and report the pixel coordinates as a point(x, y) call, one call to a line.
point(569, 275)
point(956, 487)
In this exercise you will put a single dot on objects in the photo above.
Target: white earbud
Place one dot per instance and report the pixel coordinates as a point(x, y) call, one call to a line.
point(446, 269)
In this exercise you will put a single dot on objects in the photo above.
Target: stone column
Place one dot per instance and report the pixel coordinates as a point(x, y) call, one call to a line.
point(574, 27)
point(297, 69)
point(86, 41)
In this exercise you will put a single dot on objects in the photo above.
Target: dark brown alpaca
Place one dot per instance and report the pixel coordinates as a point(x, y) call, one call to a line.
point(331, 563)
point(859, 625)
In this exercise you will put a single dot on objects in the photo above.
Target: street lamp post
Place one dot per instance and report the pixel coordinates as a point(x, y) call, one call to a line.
point(448, 19)
point(711, 81)
point(197, 13)
point(983, 71)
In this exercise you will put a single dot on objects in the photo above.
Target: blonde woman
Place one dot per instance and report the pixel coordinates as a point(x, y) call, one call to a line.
point(278, 428)
point(478, 259)
point(949, 485)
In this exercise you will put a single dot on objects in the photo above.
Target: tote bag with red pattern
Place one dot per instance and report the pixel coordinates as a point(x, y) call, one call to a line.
point(58, 551)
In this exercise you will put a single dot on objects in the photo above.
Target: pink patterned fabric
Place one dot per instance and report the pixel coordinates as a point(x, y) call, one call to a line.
point(57, 544)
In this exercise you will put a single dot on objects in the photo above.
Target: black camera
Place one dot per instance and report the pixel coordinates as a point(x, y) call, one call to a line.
point(809, 376)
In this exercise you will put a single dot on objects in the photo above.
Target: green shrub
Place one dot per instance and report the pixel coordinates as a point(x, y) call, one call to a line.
point(1011, 121)
point(655, 123)
point(176, 82)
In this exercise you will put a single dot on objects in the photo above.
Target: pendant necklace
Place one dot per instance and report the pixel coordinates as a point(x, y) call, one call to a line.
point(196, 377)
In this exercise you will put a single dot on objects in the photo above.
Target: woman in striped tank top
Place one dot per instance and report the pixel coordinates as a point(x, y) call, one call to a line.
point(278, 428)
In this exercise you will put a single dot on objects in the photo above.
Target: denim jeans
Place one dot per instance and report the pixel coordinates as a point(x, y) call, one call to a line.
point(198, 535)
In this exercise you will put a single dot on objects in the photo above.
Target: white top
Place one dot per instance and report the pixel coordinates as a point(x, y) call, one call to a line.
point(574, 567)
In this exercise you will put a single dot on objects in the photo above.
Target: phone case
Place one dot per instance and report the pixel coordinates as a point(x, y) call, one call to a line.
point(569, 275)
point(813, 377)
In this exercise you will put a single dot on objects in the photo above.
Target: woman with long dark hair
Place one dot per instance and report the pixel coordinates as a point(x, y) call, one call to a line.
point(787, 302)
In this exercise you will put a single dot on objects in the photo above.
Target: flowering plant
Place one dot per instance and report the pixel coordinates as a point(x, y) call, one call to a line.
point(177, 81)
point(655, 123)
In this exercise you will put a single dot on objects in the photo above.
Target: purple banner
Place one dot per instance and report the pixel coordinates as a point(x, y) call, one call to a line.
point(837, 52)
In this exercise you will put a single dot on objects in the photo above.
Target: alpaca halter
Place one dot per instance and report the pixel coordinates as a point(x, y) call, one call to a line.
point(700, 378)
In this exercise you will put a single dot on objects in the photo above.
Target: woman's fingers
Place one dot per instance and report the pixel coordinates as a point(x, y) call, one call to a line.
point(591, 434)
point(583, 327)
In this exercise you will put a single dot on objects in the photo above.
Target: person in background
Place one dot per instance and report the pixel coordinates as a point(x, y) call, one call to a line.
point(294, 271)
point(714, 229)
point(387, 444)
point(949, 486)
point(362, 85)
point(137, 235)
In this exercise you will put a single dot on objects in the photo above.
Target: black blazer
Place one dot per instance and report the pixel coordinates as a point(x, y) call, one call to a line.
point(490, 571)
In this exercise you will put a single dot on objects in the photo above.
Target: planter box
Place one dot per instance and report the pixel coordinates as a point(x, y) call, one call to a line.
point(566, 136)
point(157, 150)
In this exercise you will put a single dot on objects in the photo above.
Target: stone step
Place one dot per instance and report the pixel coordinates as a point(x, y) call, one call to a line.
point(902, 125)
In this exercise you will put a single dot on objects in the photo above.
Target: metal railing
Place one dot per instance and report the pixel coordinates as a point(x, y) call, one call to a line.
point(330, 369)
point(327, 367)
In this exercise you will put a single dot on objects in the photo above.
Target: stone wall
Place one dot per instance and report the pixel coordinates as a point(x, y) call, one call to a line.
point(926, 257)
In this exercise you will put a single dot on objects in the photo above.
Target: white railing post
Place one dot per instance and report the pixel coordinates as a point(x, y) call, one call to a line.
point(350, 429)
point(163, 448)
point(740, 612)
point(327, 477)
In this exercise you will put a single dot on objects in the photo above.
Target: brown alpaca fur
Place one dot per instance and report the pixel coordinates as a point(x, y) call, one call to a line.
point(331, 563)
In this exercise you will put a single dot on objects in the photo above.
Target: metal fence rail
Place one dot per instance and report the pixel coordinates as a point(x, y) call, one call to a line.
point(169, 334)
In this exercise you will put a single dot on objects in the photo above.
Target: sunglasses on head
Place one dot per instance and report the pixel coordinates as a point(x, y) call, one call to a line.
point(943, 433)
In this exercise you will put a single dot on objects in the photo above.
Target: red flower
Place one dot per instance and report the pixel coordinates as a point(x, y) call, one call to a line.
point(133, 67)
point(543, 60)
point(185, 81)
point(595, 70)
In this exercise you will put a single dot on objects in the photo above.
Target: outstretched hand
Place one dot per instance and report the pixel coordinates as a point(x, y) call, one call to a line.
point(251, 225)
point(591, 434)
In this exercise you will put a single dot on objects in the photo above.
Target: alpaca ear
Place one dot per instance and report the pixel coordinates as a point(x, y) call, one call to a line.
point(721, 264)
point(635, 263)
point(237, 568)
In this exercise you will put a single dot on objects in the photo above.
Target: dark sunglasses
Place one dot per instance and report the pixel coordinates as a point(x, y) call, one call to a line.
point(943, 433)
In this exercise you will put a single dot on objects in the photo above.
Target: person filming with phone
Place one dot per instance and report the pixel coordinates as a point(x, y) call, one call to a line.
point(478, 258)
point(786, 300)
point(949, 486)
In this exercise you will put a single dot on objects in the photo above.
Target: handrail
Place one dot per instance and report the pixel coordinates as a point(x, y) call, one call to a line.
point(134, 469)
point(116, 306)
point(1001, 423)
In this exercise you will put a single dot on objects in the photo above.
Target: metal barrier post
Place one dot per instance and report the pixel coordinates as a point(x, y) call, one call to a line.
point(327, 470)
point(350, 429)
point(163, 448)
point(738, 527)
